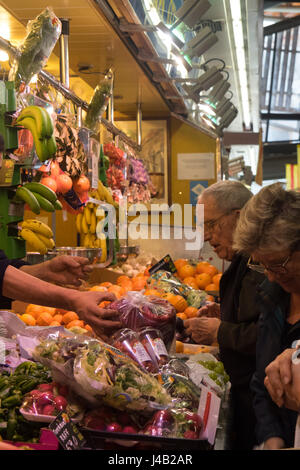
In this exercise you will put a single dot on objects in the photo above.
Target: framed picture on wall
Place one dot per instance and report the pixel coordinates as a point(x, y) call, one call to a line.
point(155, 154)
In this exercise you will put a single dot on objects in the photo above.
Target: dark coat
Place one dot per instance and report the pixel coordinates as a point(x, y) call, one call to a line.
point(273, 338)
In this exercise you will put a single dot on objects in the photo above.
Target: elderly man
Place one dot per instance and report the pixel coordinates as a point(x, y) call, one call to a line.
point(233, 323)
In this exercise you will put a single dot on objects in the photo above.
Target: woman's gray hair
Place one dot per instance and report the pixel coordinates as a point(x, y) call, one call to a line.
point(228, 195)
point(269, 222)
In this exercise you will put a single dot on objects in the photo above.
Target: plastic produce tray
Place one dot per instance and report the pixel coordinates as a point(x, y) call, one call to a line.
point(97, 439)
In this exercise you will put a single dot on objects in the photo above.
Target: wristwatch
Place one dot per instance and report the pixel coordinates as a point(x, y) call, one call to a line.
point(296, 354)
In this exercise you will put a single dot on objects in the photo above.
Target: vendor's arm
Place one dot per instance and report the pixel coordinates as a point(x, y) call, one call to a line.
point(21, 286)
point(65, 270)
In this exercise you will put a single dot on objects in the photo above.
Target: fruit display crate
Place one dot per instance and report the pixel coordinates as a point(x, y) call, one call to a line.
point(101, 439)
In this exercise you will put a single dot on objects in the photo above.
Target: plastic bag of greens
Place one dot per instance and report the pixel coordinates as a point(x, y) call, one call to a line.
point(42, 35)
point(99, 101)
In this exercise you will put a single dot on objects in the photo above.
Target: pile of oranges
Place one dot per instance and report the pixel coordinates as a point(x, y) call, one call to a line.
point(38, 315)
point(203, 276)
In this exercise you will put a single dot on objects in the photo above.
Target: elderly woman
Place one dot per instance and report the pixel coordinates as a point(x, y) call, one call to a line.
point(269, 231)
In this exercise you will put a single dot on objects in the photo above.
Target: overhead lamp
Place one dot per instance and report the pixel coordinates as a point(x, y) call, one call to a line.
point(219, 90)
point(203, 41)
point(205, 81)
point(228, 117)
point(206, 107)
point(238, 34)
point(222, 106)
point(191, 11)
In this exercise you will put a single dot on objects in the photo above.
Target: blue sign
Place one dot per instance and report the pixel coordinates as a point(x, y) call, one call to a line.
point(196, 188)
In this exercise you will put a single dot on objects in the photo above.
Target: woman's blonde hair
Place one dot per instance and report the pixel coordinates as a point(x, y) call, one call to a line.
point(270, 221)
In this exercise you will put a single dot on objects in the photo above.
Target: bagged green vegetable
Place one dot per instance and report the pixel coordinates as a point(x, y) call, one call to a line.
point(99, 101)
point(42, 35)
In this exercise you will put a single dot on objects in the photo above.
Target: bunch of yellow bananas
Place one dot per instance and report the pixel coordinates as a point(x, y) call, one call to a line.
point(38, 121)
point(90, 232)
point(38, 236)
point(103, 194)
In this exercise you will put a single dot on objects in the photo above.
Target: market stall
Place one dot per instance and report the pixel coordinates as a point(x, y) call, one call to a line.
point(151, 386)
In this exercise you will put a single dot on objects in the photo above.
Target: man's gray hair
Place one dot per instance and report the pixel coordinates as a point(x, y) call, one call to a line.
point(270, 221)
point(227, 194)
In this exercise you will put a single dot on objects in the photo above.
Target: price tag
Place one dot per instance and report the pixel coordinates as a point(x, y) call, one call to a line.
point(165, 264)
point(67, 432)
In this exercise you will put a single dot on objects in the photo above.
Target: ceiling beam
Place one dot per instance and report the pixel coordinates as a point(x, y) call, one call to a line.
point(282, 25)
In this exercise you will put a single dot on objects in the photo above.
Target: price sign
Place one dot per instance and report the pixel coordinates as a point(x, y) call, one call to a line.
point(67, 432)
point(165, 264)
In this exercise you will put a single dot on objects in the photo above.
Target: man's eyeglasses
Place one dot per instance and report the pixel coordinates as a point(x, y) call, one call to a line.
point(209, 225)
point(279, 268)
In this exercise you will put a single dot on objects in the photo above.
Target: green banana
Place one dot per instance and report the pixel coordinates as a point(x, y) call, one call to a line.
point(40, 145)
point(51, 146)
point(23, 194)
point(50, 128)
point(44, 203)
point(43, 190)
point(39, 115)
point(34, 240)
point(57, 205)
point(37, 226)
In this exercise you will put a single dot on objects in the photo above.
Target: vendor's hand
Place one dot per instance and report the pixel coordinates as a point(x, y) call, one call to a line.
point(274, 443)
point(66, 270)
point(278, 375)
point(104, 321)
point(211, 309)
point(203, 330)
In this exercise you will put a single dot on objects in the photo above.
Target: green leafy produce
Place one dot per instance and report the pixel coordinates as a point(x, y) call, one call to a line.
point(99, 101)
point(43, 33)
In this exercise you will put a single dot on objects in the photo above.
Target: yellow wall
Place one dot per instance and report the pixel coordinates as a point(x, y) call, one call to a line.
point(186, 139)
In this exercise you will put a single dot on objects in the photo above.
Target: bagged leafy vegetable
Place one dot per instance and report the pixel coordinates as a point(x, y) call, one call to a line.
point(138, 311)
point(100, 373)
point(42, 35)
point(99, 101)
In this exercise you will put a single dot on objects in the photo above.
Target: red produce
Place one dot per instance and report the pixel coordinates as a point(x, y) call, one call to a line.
point(130, 430)
point(45, 387)
point(49, 410)
point(114, 427)
point(46, 398)
point(60, 402)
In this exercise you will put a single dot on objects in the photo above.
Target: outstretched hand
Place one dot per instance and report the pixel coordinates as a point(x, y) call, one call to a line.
point(67, 270)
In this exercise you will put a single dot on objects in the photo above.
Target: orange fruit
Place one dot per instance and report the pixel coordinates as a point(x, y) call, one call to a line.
point(117, 290)
point(64, 183)
point(181, 315)
point(79, 323)
point(211, 270)
point(200, 268)
point(180, 262)
point(152, 292)
point(211, 287)
point(58, 318)
point(44, 319)
point(146, 272)
point(82, 184)
point(50, 310)
point(203, 280)
point(210, 298)
point(216, 279)
point(104, 303)
point(186, 271)
point(179, 347)
point(69, 316)
point(179, 303)
point(88, 328)
point(98, 289)
point(106, 284)
point(139, 283)
point(121, 279)
point(191, 312)
point(54, 169)
point(28, 319)
point(169, 296)
point(49, 182)
point(190, 281)
point(126, 285)
point(60, 311)
point(55, 323)
point(34, 310)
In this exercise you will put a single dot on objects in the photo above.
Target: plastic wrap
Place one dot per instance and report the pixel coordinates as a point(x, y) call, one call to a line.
point(42, 35)
point(127, 340)
point(184, 392)
point(166, 282)
point(99, 101)
point(100, 373)
point(178, 423)
point(138, 311)
point(206, 370)
point(152, 340)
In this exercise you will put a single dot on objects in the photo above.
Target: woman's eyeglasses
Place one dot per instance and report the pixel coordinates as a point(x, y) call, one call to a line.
point(279, 268)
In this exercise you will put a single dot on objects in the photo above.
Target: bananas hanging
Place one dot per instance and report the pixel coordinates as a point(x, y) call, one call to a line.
point(38, 196)
point(86, 226)
point(38, 236)
point(37, 120)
